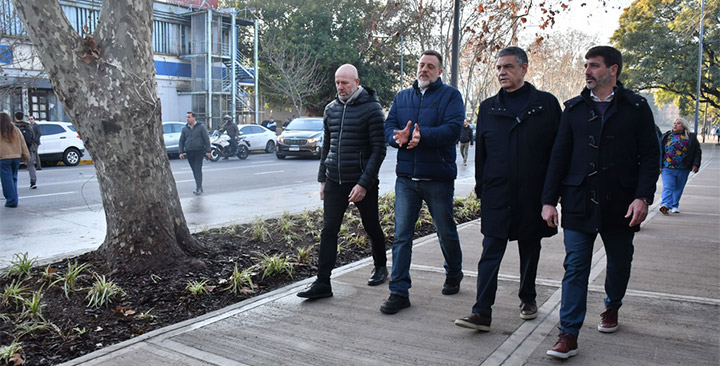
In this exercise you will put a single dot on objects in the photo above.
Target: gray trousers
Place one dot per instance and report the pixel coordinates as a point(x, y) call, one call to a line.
point(31, 164)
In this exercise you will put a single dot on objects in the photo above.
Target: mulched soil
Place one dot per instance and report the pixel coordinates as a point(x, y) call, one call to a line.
point(69, 328)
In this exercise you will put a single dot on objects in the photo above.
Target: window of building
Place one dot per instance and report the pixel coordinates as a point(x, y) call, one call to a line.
point(39, 104)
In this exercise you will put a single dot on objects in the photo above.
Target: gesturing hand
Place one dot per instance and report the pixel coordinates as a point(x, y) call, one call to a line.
point(415, 137)
point(402, 137)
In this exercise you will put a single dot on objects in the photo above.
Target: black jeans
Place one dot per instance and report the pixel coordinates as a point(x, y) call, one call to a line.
point(489, 265)
point(195, 159)
point(233, 146)
point(334, 205)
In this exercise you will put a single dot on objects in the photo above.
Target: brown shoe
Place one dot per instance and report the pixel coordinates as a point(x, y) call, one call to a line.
point(528, 310)
point(475, 321)
point(664, 210)
point(608, 321)
point(565, 347)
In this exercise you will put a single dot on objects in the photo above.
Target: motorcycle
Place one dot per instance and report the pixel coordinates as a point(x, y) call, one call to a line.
point(221, 147)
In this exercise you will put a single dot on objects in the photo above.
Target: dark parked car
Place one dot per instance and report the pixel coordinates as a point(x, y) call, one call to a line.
point(303, 136)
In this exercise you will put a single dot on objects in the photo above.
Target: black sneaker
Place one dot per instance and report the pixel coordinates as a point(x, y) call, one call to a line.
point(317, 290)
point(33, 185)
point(395, 303)
point(378, 276)
point(452, 285)
point(475, 321)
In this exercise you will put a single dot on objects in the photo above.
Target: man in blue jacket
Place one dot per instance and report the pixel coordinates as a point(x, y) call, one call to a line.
point(424, 124)
point(604, 165)
point(515, 133)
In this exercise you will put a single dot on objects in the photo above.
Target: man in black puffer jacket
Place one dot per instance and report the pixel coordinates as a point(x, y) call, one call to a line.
point(353, 150)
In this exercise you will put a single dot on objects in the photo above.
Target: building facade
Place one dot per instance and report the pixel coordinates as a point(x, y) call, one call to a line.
point(201, 61)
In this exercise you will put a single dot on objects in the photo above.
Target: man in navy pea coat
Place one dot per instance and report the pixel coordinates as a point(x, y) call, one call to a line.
point(515, 133)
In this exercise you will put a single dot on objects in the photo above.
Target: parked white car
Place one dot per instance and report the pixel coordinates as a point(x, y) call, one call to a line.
point(59, 142)
point(171, 135)
point(259, 137)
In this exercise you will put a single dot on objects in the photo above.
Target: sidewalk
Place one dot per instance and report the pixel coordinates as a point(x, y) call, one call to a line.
point(671, 313)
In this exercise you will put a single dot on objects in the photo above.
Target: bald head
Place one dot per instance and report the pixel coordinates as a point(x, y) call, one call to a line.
point(346, 81)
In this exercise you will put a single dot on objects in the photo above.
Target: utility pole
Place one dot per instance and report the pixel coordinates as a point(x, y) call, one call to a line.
point(700, 54)
point(456, 45)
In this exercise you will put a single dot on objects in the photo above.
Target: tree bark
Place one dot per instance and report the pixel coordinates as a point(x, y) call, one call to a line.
point(107, 85)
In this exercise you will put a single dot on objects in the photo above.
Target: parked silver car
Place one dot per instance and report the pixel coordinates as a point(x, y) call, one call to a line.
point(171, 135)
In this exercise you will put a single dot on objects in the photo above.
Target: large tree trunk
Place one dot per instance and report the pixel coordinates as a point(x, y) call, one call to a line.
point(107, 84)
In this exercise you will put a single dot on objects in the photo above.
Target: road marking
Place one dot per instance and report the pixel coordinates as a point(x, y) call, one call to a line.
point(184, 181)
point(270, 172)
point(48, 195)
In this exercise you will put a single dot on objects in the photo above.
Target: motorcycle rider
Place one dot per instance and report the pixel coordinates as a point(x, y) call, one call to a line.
point(232, 130)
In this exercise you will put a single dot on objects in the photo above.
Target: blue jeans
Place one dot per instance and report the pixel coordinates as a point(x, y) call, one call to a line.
point(8, 177)
point(578, 258)
point(673, 184)
point(409, 195)
point(489, 266)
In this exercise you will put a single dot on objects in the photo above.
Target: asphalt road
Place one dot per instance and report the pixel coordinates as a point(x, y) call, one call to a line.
point(64, 216)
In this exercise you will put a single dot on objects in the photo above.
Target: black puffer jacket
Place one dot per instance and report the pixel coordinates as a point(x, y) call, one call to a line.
point(354, 143)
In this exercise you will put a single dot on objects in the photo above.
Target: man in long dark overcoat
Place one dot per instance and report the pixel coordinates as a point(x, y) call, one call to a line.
point(515, 133)
point(604, 165)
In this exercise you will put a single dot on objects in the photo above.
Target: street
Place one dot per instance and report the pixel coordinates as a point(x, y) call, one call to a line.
point(64, 216)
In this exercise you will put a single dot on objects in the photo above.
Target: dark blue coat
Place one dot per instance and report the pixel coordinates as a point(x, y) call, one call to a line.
point(600, 164)
point(440, 113)
point(511, 158)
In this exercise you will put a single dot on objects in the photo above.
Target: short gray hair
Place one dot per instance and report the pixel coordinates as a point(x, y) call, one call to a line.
point(519, 53)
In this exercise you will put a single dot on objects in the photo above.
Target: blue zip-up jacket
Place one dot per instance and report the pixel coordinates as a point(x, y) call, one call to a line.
point(440, 114)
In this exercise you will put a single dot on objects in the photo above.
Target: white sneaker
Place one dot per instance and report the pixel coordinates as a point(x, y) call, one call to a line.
point(674, 210)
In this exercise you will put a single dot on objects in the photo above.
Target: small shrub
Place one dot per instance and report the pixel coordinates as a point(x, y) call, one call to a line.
point(102, 292)
point(32, 308)
point(258, 231)
point(13, 294)
point(240, 280)
point(304, 255)
point(271, 266)
point(197, 288)
point(70, 278)
point(11, 354)
point(20, 266)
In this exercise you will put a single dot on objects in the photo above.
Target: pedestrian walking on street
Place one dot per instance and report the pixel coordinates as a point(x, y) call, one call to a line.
point(516, 130)
point(29, 136)
point(466, 140)
point(352, 153)
point(37, 133)
point(423, 125)
point(194, 144)
point(604, 165)
point(681, 154)
point(12, 150)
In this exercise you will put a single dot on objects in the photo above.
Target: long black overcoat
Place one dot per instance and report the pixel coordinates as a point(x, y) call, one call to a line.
point(511, 159)
point(601, 163)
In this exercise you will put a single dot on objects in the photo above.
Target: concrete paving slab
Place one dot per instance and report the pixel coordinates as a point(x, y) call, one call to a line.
point(670, 316)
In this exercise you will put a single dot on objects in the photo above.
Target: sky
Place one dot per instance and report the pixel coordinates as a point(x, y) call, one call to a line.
point(592, 18)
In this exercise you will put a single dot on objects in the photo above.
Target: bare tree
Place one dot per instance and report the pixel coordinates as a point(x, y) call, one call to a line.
point(556, 65)
point(295, 73)
point(106, 81)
